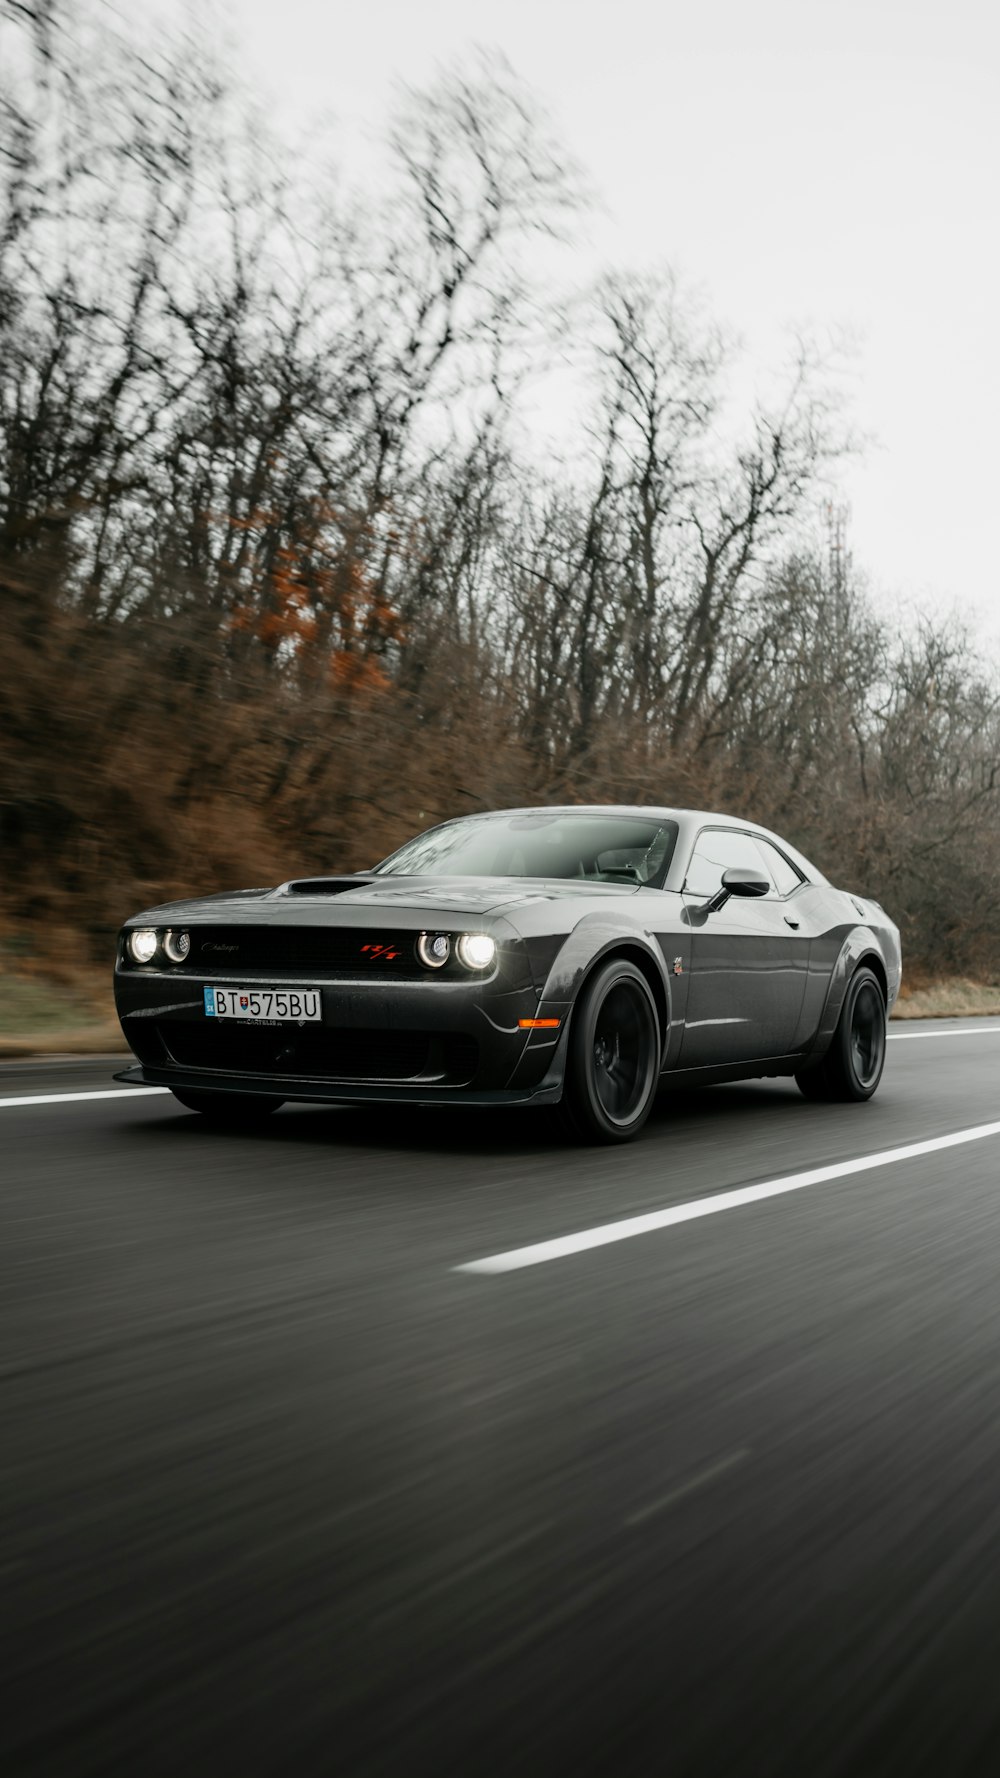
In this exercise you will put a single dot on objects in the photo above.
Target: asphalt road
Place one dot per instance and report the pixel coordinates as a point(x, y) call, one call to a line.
point(288, 1493)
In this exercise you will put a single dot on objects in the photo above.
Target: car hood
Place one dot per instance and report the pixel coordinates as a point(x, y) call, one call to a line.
point(474, 895)
point(309, 903)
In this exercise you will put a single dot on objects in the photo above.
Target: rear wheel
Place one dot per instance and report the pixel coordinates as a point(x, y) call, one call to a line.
point(614, 1055)
point(227, 1108)
point(852, 1066)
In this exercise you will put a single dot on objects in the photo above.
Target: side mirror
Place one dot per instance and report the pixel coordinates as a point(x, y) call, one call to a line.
point(739, 880)
point(744, 881)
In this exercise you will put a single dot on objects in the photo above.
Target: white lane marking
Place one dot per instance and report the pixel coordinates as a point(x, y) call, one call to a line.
point(608, 1232)
point(133, 1092)
point(124, 1092)
point(74, 1098)
point(688, 1487)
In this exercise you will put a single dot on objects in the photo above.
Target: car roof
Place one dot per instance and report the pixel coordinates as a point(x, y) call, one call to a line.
point(668, 810)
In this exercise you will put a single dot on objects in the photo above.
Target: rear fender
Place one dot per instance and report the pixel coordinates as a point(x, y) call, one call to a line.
point(859, 943)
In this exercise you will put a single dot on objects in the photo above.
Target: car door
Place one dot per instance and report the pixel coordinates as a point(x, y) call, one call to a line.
point(749, 958)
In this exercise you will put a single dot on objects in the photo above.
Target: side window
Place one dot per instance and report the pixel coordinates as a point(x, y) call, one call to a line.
point(784, 875)
point(718, 849)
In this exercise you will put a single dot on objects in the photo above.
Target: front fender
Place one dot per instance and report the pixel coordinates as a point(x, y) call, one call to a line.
point(597, 936)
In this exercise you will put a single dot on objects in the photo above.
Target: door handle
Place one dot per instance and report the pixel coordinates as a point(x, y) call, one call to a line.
point(794, 924)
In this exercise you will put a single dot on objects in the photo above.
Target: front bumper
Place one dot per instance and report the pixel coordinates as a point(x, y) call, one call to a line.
point(404, 1042)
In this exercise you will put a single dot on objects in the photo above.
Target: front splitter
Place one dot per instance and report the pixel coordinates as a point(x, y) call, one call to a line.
point(335, 1092)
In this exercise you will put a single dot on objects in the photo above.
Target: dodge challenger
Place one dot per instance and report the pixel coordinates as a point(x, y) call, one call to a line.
point(579, 957)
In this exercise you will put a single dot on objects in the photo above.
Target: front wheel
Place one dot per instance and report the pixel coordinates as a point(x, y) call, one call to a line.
point(852, 1066)
point(231, 1109)
point(614, 1055)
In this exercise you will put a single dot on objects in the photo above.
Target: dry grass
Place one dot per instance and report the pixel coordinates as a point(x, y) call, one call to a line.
point(45, 1011)
point(959, 998)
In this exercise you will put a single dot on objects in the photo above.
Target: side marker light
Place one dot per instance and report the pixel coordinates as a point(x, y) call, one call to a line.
point(539, 1024)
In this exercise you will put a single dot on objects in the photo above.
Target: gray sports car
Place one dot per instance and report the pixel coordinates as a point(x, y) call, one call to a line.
point(579, 957)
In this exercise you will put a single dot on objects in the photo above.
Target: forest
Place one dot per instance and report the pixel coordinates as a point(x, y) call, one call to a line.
point(286, 572)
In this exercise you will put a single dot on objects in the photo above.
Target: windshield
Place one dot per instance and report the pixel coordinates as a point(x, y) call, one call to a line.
point(602, 848)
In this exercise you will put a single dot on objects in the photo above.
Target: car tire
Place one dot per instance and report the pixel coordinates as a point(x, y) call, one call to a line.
point(613, 1062)
point(852, 1066)
point(232, 1109)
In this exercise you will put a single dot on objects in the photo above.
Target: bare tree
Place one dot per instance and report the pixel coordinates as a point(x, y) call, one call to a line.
point(278, 570)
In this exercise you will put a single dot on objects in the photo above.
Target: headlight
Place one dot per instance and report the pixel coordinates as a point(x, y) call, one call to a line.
point(434, 949)
point(142, 944)
point(476, 950)
point(177, 945)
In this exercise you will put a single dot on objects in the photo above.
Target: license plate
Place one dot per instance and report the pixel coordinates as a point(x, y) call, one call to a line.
point(288, 1005)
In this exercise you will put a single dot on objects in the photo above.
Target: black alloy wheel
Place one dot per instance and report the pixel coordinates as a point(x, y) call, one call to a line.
point(614, 1055)
point(852, 1066)
point(232, 1109)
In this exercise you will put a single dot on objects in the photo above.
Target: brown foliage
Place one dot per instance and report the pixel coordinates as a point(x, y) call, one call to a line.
point(277, 589)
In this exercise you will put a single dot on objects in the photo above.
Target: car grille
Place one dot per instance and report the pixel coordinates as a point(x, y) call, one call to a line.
point(233, 951)
point(318, 1053)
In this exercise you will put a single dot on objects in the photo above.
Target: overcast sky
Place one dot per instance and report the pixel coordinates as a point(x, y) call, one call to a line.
point(821, 163)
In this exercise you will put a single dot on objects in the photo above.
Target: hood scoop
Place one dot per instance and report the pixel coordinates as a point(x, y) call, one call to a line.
point(326, 885)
